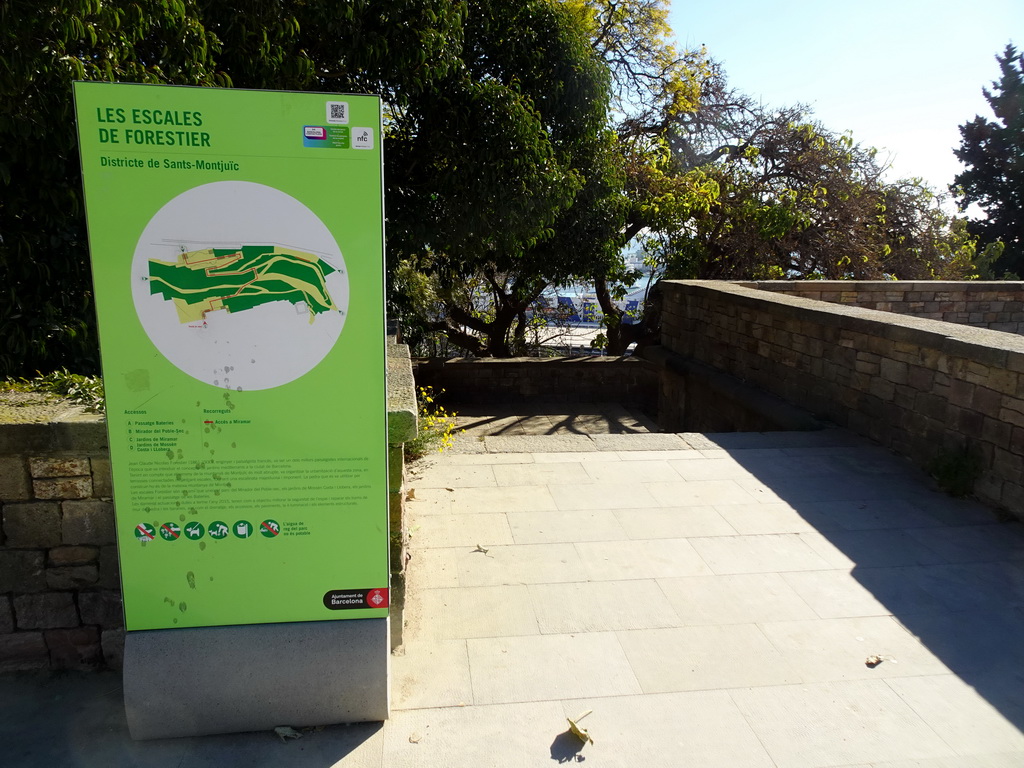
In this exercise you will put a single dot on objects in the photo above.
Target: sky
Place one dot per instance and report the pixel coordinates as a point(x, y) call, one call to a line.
point(902, 75)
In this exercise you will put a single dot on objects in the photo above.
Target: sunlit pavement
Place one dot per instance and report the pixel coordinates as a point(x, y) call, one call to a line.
point(779, 599)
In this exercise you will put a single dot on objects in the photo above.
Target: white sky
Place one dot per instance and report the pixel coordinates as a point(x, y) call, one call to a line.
point(902, 75)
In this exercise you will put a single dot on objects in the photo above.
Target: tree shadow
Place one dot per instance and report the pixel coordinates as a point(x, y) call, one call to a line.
point(946, 570)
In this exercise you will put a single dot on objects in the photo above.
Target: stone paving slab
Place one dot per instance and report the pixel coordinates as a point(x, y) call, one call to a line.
point(640, 442)
point(593, 495)
point(450, 500)
point(842, 593)
point(972, 643)
point(706, 657)
point(541, 474)
point(867, 514)
point(549, 667)
point(461, 613)
point(548, 444)
point(572, 526)
point(1002, 760)
point(753, 519)
point(870, 548)
point(705, 622)
point(465, 530)
point(673, 522)
point(837, 723)
point(745, 598)
point(431, 673)
point(502, 736)
point(987, 586)
point(601, 606)
point(700, 492)
point(758, 554)
point(519, 564)
point(941, 700)
point(837, 649)
point(698, 728)
point(640, 559)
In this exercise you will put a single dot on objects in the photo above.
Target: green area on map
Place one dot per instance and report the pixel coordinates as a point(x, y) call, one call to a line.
point(237, 279)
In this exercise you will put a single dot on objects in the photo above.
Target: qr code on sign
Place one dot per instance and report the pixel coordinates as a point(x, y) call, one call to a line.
point(337, 112)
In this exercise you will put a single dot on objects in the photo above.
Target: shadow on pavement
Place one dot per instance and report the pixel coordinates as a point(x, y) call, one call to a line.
point(77, 720)
point(947, 570)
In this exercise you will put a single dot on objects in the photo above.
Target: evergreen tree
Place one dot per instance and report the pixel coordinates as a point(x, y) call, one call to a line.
point(993, 153)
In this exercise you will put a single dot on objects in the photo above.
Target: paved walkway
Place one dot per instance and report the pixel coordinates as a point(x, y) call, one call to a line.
point(788, 599)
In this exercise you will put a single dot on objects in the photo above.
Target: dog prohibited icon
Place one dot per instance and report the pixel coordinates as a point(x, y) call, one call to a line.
point(145, 532)
point(170, 531)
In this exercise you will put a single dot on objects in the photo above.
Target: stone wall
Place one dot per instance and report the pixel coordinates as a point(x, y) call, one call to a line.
point(60, 598)
point(402, 427)
point(921, 387)
point(998, 306)
point(60, 589)
point(693, 397)
point(629, 381)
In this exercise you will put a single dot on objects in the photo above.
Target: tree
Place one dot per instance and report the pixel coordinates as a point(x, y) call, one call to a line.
point(736, 190)
point(494, 116)
point(501, 181)
point(392, 49)
point(993, 153)
point(654, 85)
point(46, 314)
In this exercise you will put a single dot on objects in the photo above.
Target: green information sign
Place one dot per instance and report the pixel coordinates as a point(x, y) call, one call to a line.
point(237, 257)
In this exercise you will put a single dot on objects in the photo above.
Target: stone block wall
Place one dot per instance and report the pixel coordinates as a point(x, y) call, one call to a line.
point(694, 397)
point(60, 597)
point(629, 381)
point(921, 387)
point(402, 427)
point(996, 305)
point(60, 588)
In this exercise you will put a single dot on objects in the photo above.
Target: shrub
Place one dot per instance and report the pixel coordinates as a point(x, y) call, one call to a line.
point(436, 426)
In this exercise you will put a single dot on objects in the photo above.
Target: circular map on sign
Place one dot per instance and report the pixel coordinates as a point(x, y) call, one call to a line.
point(240, 285)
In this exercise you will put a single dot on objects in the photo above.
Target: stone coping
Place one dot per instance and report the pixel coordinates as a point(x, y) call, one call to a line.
point(402, 408)
point(898, 286)
point(993, 348)
point(67, 428)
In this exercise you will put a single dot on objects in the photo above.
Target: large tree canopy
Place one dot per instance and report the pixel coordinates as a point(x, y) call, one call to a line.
point(732, 189)
point(993, 153)
point(494, 120)
point(46, 313)
point(528, 143)
point(500, 178)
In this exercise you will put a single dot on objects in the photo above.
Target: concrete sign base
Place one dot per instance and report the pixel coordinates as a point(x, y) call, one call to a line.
point(195, 682)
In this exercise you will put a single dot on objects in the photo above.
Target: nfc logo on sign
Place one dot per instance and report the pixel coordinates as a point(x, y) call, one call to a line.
point(362, 138)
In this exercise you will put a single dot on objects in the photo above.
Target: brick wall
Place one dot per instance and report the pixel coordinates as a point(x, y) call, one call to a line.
point(998, 306)
point(630, 381)
point(60, 601)
point(919, 386)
